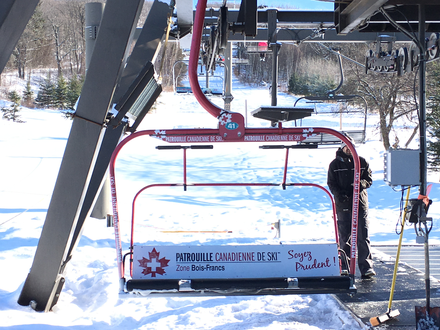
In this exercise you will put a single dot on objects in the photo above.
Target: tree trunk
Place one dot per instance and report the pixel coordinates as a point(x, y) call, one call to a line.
point(57, 48)
point(415, 130)
point(384, 130)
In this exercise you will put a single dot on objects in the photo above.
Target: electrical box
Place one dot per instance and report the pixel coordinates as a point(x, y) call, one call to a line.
point(402, 167)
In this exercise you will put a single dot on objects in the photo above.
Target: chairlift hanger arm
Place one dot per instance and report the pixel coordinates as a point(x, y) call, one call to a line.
point(341, 72)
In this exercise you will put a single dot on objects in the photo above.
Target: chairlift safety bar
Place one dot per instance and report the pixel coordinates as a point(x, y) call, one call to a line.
point(133, 209)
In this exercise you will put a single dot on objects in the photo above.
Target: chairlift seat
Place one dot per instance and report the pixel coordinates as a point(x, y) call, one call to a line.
point(357, 135)
point(337, 98)
point(238, 269)
point(183, 89)
point(261, 48)
point(242, 287)
point(276, 114)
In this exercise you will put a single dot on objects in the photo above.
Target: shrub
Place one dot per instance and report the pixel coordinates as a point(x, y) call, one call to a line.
point(11, 112)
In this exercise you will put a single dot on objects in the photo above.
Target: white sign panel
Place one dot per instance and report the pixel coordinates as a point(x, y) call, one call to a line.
point(235, 261)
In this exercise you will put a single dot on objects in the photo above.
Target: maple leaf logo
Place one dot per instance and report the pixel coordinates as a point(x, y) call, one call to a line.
point(225, 118)
point(308, 132)
point(161, 134)
point(154, 265)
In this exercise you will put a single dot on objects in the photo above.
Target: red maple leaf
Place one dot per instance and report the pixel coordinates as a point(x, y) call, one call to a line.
point(154, 258)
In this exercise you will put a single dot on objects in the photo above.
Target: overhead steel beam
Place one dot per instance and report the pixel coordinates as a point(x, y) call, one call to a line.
point(246, 21)
point(14, 16)
point(412, 2)
point(304, 26)
point(355, 13)
point(405, 15)
point(312, 35)
point(283, 16)
point(45, 279)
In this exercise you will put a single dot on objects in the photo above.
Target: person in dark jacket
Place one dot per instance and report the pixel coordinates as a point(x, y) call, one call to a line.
point(340, 180)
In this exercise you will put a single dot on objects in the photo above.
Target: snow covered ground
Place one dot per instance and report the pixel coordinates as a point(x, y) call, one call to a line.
point(30, 157)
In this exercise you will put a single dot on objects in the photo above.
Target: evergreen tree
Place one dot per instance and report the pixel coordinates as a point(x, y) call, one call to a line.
point(45, 97)
point(433, 116)
point(11, 112)
point(60, 99)
point(73, 91)
point(28, 94)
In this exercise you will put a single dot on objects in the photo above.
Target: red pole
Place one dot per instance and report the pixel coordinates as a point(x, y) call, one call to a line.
point(118, 242)
point(184, 169)
point(216, 111)
point(194, 60)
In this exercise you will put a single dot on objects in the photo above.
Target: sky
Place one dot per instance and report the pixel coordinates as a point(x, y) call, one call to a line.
point(286, 4)
point(299, 4)
point(29, 163)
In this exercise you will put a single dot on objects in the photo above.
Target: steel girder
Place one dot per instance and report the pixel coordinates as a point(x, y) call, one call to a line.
point(14, 15)
point(45, 279)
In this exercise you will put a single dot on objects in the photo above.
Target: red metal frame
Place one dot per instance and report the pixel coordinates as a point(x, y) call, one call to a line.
point(297, 134)
point(194, 61)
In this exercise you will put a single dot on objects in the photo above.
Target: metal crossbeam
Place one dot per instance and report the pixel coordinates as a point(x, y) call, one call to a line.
point(14, 15)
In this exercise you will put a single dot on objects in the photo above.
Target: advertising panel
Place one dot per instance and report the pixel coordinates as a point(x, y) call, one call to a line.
point(235, 261)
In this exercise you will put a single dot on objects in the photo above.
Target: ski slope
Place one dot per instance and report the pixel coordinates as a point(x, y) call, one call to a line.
point(30, 158)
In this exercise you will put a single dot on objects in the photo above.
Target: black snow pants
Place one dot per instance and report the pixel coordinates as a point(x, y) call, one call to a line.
point(365, 261)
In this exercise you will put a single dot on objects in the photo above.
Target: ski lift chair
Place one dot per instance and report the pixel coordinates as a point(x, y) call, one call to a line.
point(359, 136)
point(320, 272)
point(281, 114)
point(182, 88)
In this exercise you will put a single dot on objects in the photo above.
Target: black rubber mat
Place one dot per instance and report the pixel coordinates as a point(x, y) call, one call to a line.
point(373, 295)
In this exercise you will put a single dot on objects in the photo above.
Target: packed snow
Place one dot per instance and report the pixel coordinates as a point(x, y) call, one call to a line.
point(31, 154)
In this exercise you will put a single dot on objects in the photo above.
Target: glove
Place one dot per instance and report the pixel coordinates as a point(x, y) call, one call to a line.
point(362, 184)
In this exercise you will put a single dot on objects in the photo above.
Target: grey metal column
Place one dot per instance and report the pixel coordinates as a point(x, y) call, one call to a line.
point(14, 16)
point(422, 101)
point(227, 98)
point(110, 140)
point(423, 150)
point(146, 46)
point(272, 35)
point(93, 11)
point(93, 14)
point(143, 52)
point(102, 206)
point(44, 282)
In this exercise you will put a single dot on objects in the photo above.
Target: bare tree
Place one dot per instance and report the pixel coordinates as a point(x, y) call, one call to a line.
point(165, 62)
point(56, 27)
point(65, 26)
point(30, 44)
point(387, 94)
point(76, 35)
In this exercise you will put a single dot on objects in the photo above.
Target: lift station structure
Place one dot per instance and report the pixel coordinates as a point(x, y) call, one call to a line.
point(121, 84)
